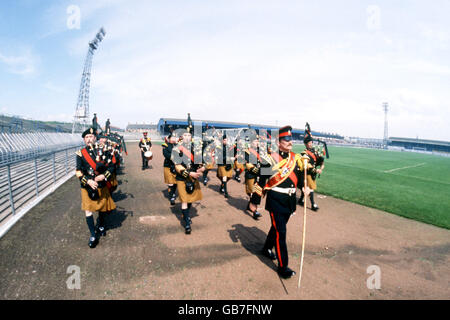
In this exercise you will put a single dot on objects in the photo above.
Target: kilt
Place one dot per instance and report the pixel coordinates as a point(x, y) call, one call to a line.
point(103, 204)
point(209, 166)
point(114, 182)
point(239, 166)
point(169, 177)
point(249, 185)
point(311, 183)
point(186, 197)
point(222, 172)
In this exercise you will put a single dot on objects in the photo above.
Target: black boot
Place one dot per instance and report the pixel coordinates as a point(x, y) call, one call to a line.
point(225, 190)
point(101, 231)
point(93, 241)
point(187, 221)
point(172, 196)
point(189, 215)
point(268, 253)
point(256, 215)
point(301, 200)
point(314, 206)
point(222, 190)
point(285, 272)
point(205, 177)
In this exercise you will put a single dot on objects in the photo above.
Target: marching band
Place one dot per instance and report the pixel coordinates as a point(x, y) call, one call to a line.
point(275, 175)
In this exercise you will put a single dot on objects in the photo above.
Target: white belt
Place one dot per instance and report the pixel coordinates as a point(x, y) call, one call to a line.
point(288, 191)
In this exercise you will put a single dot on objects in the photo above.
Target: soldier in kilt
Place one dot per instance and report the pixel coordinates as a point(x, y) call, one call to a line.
point(208, 157)
point(252, 166)
point(225, 165)
point(239, 162)
point(106, 154)
point(117, 155)
point(169, 167)
point(187, 175)
point(316, 160)
point(95, 195)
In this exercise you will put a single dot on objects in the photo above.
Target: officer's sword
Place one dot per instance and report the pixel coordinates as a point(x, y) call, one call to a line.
point(305, 163)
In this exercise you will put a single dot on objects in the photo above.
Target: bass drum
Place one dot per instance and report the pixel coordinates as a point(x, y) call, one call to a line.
point(148, 155)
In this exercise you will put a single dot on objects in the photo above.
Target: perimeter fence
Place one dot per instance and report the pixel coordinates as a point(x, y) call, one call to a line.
point(32, 165)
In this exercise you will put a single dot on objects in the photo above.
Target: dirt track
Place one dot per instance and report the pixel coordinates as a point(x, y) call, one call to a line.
point(146, 254)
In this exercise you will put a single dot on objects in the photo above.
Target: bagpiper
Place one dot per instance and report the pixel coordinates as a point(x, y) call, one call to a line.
point(317, 165)
point(239, 161)
point(187, 175)
point(252, 167)
point(225, 164)
point(169, 167)
point(95, 195)
point(208, 156)
point(106, 154)
point(116, 144)
point(278, 183)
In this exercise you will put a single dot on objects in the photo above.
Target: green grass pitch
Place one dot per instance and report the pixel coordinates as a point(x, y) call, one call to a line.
point(412, 185)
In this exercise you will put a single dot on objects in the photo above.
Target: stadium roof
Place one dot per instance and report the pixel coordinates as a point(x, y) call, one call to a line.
point(232, 125)
point(422, 141)
point(137, 126)
point(213, 123)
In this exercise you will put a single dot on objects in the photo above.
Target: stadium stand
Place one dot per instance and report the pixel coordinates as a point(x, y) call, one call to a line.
point(141, 127)
point(420, 144)
point(165, 124)
point(15, 124)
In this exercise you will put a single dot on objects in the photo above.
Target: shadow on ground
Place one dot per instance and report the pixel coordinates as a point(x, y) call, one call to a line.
point(115, 218)
point(176, 210)
point(252, 239)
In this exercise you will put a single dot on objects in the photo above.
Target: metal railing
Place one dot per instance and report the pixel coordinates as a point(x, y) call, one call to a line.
point(24, 146)
point(32, 165)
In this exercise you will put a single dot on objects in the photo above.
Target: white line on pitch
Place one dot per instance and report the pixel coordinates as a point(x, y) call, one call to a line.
point(392, 170)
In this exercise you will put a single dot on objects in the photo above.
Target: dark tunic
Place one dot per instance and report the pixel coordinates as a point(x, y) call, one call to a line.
point(186, 161)
point(84, 172)
point(276, 201)
point(315, 159)
point(280, 206)
point(167, 153)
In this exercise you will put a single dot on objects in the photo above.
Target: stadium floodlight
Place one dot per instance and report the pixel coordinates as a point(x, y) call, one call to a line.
point(93, 45)
point(81, 117)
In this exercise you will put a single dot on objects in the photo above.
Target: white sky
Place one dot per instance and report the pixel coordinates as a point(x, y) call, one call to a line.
point(331, 63)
